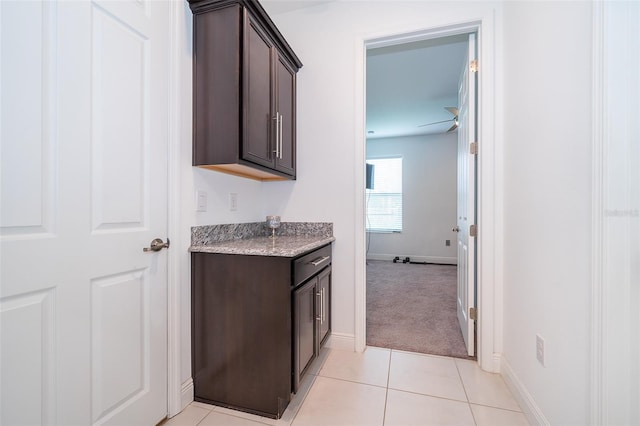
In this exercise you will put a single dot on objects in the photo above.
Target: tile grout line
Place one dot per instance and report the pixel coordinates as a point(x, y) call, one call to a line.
point(313, 382)
point(496, 408)
point(323, 357)
point(464, 388)
point(352, 381)
point(234, 416)
point(433, 396)
point(386, 391)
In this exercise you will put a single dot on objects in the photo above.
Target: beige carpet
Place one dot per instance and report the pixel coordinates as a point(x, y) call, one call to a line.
point(413, 308)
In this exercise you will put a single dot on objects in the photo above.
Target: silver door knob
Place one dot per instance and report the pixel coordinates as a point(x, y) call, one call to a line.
point(456, 229)
point(157, 245)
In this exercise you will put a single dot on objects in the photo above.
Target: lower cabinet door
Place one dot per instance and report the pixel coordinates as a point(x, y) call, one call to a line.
point(324, 288)
point(304, 329)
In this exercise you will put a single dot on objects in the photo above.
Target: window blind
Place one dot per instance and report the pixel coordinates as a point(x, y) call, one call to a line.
point(384, 202)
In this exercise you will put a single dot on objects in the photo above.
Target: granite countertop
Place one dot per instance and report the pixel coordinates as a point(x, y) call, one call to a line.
point(292, 238)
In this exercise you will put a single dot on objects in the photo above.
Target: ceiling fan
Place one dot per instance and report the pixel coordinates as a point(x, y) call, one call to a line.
point(452, 110)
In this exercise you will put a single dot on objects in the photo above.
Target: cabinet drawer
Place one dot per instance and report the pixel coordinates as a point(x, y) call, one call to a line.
point(310, 264)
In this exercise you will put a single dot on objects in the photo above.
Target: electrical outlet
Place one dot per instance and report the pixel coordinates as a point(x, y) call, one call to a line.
point(233, 201)
point(447, 243)
point(201, 201)
point(540, 349)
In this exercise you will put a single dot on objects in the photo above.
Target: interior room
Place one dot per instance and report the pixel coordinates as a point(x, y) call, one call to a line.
point(409, 88)
point(145, 143)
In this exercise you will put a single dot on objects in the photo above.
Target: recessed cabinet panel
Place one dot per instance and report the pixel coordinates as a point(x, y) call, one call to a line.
point(286, 109)
point(256, 145)
point(216, 86)
point(324, 315)
point(304, 303)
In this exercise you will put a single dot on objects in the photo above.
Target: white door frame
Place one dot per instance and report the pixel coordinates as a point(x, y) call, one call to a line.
point(489, 175)
point(177, 123)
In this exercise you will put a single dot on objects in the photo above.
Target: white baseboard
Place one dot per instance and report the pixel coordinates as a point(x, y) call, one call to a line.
point(534, 414)
point(186, 393)
point(428, 259)
point(496, 363)
point(341, 341)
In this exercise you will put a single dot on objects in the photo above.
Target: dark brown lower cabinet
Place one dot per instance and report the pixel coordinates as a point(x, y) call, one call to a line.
point(247, 354)
point(311, 326)
point(241, 332)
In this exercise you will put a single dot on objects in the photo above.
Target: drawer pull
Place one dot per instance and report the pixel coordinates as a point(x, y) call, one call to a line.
point(319, 261)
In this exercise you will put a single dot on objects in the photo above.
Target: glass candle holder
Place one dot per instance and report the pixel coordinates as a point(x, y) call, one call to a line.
point(273, 222)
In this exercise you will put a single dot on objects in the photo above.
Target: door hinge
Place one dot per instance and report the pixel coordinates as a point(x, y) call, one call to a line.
point(473, 148)
point(473, 314)
point(473, 231)
point(473, 65)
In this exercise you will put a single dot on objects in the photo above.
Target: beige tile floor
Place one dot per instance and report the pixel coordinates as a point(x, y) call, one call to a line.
point(382, 387)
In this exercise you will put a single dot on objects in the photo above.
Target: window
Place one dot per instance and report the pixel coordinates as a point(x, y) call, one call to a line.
point(384, 201)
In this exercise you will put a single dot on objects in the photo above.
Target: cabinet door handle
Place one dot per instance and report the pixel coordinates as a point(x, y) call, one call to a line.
point(277, 150)
point(322, 306)
point(319, 316)
point(281, 136)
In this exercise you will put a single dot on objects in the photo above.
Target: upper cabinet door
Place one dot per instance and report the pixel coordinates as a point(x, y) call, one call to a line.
point(286, 113)
point(259, 126)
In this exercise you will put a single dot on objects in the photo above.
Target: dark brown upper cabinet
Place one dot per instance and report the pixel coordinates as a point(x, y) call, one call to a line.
point(244, 91)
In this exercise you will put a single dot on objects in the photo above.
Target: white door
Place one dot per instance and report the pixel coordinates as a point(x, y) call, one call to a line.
point(466, 198)
point(83, 189)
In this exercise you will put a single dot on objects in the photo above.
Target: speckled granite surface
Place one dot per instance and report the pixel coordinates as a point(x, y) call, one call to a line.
point(292, 238)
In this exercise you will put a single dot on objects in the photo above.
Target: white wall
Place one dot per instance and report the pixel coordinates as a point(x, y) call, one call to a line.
point(429, 174)
point(547, 163)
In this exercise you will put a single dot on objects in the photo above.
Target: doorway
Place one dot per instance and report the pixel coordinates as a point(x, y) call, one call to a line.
point(489, 250)
point(413, 192)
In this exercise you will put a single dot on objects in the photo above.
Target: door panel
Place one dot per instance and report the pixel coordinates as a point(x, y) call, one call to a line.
point(84, 178)
point(28, 369)
point(120, 122)
point(119, 345)
point(324, 286)
point(304, 300)
point(466, 199)
point(286, 107)
point(28, 106)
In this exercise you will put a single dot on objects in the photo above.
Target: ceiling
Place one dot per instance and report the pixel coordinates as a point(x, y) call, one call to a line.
point(410, 84)
point(407, 84)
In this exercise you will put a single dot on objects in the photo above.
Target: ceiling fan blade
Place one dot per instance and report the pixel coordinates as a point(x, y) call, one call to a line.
point(452, 110)
point(437, 122)
point(452, 128)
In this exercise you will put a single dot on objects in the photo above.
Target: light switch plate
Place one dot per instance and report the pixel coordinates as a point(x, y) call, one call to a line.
point(540, 349)
point(201, 201)
point(233, 201)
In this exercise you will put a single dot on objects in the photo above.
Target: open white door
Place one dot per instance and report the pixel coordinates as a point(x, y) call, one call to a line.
point(466, 197)
point(83, 189)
